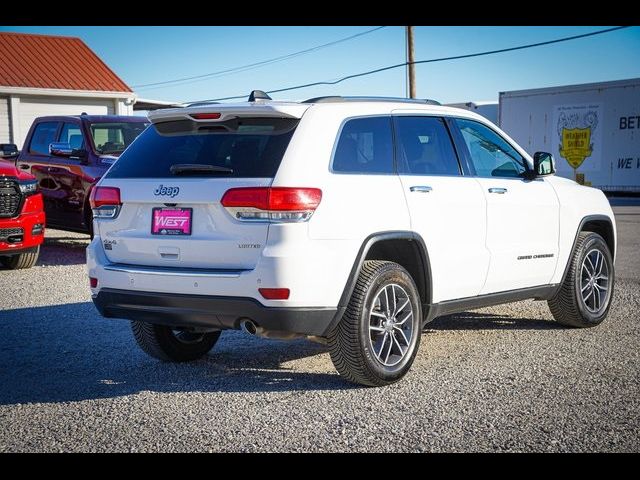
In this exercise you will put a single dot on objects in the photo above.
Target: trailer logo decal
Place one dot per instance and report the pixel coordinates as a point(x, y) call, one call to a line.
point(576, 126)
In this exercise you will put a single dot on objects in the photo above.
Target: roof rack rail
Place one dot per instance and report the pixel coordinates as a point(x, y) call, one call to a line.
point(338, 99)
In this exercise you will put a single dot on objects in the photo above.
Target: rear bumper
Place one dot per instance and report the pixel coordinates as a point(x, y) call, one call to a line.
point(26, 222)
point(203, 311)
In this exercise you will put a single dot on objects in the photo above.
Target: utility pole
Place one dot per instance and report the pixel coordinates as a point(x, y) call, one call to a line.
point(411, 70)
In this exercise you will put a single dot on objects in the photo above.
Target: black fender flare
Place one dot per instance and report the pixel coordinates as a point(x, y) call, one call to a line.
point(362, 254)
point(588, 218)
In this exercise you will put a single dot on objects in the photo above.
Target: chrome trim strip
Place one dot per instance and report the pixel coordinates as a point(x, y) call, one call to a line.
point(171, 271)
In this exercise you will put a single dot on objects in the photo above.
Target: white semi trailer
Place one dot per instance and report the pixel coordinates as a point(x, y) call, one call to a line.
point(592, 130)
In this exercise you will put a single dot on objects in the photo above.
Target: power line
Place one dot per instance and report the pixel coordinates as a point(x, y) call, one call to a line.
point(432, 60)
point(257, 64)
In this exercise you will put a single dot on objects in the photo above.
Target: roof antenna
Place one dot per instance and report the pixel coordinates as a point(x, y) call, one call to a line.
point(258, 95)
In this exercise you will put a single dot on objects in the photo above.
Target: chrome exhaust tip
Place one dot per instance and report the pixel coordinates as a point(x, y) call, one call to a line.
point(249, 327)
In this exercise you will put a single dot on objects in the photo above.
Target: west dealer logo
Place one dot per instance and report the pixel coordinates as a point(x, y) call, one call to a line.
point(172, 222)
point(166, 191)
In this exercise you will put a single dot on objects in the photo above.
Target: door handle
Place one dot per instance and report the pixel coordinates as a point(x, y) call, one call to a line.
point(497, 190)
point(24, 166)
point(421, 188)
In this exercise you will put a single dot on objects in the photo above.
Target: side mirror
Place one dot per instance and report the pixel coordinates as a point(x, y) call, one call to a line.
point(8, 150)
point(81, 155)
point(543, 164)
point(63, 149)
point(60, 149)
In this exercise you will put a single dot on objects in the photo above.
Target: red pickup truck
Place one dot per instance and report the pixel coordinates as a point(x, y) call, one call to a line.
point(22, 218)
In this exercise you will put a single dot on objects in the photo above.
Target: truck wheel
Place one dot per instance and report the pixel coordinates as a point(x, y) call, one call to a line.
point(378, 336)
point(585, 295)
point(22, 260)
point(169, 345)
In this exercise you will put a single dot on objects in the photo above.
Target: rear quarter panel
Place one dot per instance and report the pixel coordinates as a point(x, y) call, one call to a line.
point(353, 206)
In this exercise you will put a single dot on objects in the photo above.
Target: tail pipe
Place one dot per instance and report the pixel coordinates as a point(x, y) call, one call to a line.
point(248, 326)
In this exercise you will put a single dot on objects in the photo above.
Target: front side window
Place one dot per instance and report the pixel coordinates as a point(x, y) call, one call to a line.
point(114, 137)
point(72, 135)
point(365, 146)
point(424, 147)
point(43, 135)
point(491, 155)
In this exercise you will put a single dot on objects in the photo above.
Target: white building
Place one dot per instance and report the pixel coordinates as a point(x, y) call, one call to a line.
point(51, 75)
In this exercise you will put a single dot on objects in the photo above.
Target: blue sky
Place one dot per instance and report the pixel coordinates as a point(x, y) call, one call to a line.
point(143, 55)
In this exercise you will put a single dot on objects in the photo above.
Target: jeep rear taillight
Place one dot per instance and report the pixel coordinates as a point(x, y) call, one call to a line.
point(105, 202)
point(275, 204)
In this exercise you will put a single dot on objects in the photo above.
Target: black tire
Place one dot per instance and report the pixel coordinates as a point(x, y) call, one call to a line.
point(352, 344)
point(22, 260)
point(169, 345)
point(568, 306)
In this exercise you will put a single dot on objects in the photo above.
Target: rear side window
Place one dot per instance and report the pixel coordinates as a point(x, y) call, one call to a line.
point(43, 135)
point(241, 147)
point(424, 147)
point(72, 135)
point(365, 146)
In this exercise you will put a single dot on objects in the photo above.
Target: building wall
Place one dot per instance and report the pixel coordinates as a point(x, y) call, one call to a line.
point(18, 111)
point(5, 121)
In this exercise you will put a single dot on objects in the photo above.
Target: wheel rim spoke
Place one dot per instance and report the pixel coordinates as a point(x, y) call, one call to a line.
point(404, 337)
point(401, 307)
point(384, 339)
point(393, 337)
point(405, 318)
point(393, 296)
point(386, 359)
point(390, 335)
point(594, 281)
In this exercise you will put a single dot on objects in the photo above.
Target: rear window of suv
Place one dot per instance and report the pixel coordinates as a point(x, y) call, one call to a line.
point(240, 147)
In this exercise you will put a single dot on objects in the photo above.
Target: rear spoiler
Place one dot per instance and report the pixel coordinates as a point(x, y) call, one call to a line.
point(230, 110)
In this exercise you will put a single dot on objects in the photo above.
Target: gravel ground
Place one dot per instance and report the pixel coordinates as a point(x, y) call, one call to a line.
point(499, 379)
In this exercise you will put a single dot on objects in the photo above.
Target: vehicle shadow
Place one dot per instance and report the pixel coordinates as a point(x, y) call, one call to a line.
point(69, 353)
point(489, 321)
point(63, 251)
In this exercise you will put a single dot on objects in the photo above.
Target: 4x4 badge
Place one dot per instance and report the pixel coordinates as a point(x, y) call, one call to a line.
point(167, 191)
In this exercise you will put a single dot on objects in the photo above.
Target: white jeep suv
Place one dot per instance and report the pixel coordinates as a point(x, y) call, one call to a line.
point(353, 221)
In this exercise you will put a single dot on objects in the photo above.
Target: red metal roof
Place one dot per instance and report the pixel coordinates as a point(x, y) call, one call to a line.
point(46, 61)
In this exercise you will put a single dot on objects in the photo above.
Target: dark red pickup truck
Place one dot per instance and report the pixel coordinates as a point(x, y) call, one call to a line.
point(21, 217)
point(68, 155)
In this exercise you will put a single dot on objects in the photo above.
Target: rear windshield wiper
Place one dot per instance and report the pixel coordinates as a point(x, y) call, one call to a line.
point(182, 168)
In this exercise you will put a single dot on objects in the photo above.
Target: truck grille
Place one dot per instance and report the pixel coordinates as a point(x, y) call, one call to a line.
point(10, 198)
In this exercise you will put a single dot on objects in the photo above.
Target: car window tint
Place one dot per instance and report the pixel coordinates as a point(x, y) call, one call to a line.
point(72, 135)
point(43, 135)
point(248, 147)
point(424, 147)
point(491, 155)
point(365, 146)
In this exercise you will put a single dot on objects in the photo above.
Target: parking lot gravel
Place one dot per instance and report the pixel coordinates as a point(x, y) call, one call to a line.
point(498, 379)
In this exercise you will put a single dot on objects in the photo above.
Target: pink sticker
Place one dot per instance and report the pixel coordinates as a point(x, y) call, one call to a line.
point(171, 221)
